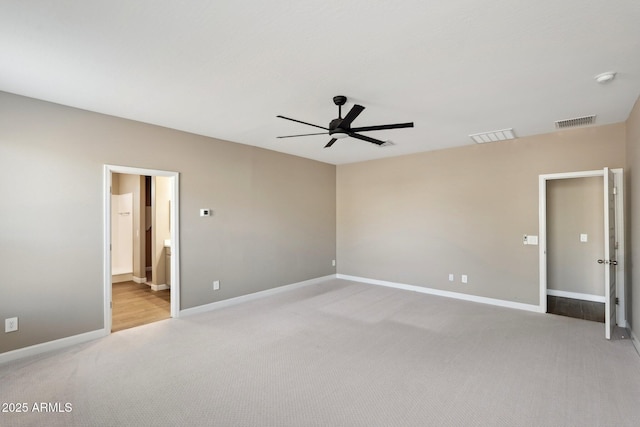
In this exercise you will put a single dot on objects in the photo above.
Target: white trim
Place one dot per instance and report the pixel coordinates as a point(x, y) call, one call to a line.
point(106, 265)
point(162, 287)
point(581, 174)
point(139, 279)
point(576, 295)
point(244, 298)
point(119, 278)
point(52, 345)
point(175, 234)
point(542, 241)
point(621, 311)
point(542, 233)
point(448, 294)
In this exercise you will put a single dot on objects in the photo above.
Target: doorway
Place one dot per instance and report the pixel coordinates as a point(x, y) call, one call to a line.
point(145, 294)
point(575, 239)
point(566, 274)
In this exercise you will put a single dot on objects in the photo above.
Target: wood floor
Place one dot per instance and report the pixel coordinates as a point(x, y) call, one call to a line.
point(135, 304)
point(579, 309)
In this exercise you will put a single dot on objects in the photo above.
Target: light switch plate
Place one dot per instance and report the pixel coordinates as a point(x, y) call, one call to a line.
point(584, 238)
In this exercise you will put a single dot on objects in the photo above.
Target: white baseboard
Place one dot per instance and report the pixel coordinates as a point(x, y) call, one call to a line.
point(119, 278)
point(576, 295)
point(139, 279)
point(51, 345)
point(159, 287)
point(448, 294)
point(244, 298)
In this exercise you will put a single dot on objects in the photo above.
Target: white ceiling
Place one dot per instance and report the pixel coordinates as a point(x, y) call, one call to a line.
point(226, 68)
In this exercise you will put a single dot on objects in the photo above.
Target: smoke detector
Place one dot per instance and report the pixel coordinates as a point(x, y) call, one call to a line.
point(604, 78)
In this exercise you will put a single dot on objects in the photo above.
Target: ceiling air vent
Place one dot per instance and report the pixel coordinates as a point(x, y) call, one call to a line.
point(495, 135)
point(578, 121)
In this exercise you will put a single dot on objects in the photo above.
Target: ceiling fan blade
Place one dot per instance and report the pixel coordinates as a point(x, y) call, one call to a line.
point(304, 134)
point(365, 138)
point(351, 116)
point(330, 143)
point(304, 123)
point(383, 127)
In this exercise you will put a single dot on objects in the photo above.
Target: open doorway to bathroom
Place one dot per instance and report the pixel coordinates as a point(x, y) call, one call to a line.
point(141, 254)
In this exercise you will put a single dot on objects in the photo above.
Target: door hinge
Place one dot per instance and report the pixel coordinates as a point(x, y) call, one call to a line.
point(617, 300)
point(615, 190)
point(111, 304)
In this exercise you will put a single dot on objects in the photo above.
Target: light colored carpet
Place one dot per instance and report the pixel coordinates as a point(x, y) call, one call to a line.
point(338, 354)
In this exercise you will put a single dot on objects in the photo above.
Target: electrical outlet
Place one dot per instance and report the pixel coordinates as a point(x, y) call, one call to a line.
point(206, 212)
point(464, 278)
point(451, 278)
point(11, 324)
point(216, 285)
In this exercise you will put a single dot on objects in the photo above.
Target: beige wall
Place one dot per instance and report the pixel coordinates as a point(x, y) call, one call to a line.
point(415, 219)
point(575, 206)
point(274, 222)
point(161, 228)
point(633, 210)
point(411, 219)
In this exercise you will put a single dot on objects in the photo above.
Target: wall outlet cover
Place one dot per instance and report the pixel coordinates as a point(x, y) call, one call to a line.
point(11, 324)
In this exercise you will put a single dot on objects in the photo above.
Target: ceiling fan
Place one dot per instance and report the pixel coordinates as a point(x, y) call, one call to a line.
point(341, 127)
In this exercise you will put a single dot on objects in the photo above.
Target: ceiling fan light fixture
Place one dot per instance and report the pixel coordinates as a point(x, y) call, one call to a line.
point(339, 135)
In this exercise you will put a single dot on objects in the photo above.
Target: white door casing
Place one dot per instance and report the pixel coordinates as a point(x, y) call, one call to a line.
point(175, 236)
point(614, 236)
point(609, 260)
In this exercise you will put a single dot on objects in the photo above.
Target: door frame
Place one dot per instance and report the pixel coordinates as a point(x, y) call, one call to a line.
point(621, 318)
point(175, 235)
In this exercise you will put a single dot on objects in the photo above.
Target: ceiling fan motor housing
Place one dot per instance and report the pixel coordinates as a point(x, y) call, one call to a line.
point(340, 100)
point(333, 126)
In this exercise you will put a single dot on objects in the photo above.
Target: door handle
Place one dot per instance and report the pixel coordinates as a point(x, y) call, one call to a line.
point(600, 261)
point(613, 262)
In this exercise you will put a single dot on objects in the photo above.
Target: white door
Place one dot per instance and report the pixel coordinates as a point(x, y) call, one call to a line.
point(610, 261)
point(121, 233)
